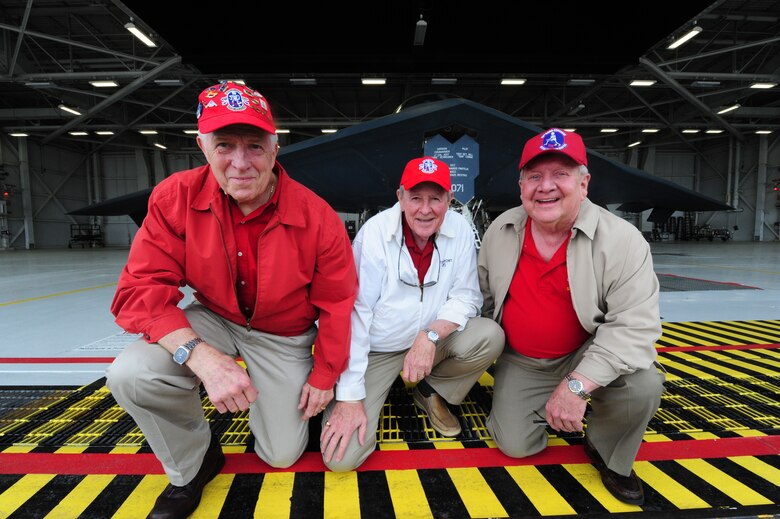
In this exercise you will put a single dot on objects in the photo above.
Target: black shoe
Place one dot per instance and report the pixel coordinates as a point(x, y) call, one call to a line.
point(179, 502)
point(626, 488)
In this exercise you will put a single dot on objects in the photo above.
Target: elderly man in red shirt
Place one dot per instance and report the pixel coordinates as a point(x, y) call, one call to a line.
point(266, 258)
point(574, 289)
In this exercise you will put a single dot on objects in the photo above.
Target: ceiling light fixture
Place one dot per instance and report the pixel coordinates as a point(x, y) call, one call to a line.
point(763, 85)
point(168, 82)
point(713, 132)
point(19, 134)
point(147, 132)
point(106, 83)
point(329, 130)
point(301, 81)
point(69, 109)
point(38, 84)
point(373, 80)
point(419, 31)
point(705, 84)
point(643, 82)
point(160, 146)
point(635, 143)
point(691, 130)
point(190, 132)
point(728, 109)
point(78, 133)
point(763, 132)
point(570, 130)
point(608, 130)
point(513, 81)
point(104, 132)
point(130, 26)
point(580, 82)
point(684, 38)
point(444, 80)
point(280, 130)
point(650, 130)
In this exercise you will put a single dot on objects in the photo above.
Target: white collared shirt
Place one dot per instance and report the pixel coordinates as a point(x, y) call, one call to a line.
point(388, 313)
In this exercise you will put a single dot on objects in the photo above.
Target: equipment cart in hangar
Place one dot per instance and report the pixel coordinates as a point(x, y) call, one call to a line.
point(85, 235)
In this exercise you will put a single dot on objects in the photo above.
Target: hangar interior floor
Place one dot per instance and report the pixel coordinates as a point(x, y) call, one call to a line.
point(67, 450)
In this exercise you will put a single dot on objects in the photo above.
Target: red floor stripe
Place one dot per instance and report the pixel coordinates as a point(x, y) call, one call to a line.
point(249, 463)
point(730, 283)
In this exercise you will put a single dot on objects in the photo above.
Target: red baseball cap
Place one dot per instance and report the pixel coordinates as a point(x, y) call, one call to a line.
point(230, 103)
point(426, 169)
point(555, 140)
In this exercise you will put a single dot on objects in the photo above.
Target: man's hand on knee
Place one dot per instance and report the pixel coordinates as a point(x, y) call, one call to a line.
point(341, 424)
point(228, 385)
point(314, 400)
point(418, 361)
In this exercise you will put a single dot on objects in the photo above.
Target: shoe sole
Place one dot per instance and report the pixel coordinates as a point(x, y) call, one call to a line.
point(443, 433)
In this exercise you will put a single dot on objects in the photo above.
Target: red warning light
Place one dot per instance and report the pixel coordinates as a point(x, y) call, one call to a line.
point(6, 194)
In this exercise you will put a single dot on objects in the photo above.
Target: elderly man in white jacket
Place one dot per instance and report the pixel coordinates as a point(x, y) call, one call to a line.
point(416, 313)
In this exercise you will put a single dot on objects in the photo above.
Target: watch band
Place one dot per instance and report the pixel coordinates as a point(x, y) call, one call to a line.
point(190, 344)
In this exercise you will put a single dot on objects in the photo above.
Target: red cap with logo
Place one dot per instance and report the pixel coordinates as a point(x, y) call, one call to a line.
point(555, 140)
point(230, 103)
point(426, 169)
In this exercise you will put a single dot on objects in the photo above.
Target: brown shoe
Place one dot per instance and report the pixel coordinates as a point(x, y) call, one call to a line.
point(626, 488)
point(442, 420)
point(179, 502)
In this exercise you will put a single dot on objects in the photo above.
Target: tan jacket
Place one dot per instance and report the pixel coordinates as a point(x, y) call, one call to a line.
point(614, 289)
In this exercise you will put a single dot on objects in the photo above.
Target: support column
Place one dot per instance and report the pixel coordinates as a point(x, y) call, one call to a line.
point(98, 190)
point(142, 169)
point(758, 226)
point(737, 171)
point(27, 208)
point(730, 169)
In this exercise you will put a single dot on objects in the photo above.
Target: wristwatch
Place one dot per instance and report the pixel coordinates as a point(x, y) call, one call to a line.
point(182, 353)
point(577, 387)
point(432, 335)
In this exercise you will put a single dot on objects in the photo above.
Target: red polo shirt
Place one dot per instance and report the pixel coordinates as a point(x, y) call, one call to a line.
point(420, 257)
point(539, 317)
point(247, 230)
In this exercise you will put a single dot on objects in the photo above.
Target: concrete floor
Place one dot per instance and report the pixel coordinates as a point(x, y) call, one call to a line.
point(54, 304)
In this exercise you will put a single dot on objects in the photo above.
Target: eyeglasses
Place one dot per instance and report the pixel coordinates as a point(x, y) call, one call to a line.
point(408, 276)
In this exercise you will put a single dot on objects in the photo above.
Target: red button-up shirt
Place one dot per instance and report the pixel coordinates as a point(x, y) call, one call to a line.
point(305, 270)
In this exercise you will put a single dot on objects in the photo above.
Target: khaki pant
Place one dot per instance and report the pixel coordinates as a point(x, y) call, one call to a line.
point(460, 360)
point(163, 397)
point(615, 427)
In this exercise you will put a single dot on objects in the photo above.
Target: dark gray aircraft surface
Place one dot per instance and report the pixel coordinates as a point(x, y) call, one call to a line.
point(358, 168)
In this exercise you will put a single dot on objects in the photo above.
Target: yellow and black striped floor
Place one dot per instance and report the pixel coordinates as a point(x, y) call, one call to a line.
point(711, 451)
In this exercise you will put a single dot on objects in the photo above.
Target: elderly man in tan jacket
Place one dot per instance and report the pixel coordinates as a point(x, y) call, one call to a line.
point(573, 288)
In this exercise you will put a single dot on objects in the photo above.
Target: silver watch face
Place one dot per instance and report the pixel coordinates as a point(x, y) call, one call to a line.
point(433, 336)
point(181, 355)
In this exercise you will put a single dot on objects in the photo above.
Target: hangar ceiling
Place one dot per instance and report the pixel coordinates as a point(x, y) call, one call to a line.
point(578, 60)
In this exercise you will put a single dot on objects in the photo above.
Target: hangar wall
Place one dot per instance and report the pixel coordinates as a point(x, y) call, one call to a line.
point(54, 180)
point(714, 171)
